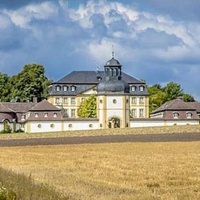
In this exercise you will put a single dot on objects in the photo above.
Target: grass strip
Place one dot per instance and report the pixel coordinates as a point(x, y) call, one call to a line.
point(21, 187)
point(117, 131)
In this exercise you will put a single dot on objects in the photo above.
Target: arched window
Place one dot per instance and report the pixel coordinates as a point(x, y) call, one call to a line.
point(188, 115)
point(175, 115)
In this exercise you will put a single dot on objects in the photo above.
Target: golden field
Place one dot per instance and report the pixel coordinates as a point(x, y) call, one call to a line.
point(127, 171)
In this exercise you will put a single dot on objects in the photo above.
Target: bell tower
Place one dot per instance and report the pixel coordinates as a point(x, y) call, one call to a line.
point(113, 97)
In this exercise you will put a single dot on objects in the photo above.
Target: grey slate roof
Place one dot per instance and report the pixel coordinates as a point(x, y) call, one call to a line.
point(84, 80)
point(90, 77)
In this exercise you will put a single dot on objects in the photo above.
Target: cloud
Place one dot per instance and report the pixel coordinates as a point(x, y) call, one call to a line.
point(150, 42)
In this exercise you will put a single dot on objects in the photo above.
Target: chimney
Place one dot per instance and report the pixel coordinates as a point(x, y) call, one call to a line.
point(35, 100)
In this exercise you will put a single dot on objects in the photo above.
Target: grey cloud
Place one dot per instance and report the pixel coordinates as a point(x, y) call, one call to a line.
point(14, 4)
point(179, 10)
point(151, 38)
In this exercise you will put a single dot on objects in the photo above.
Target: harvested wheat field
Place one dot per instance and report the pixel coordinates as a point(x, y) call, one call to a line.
point(117, 171)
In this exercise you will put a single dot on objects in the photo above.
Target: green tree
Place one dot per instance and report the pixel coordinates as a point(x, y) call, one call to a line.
point(87, 109)
point(30, 82)
point(188, 98)
point(157, 97)
point(4, 89)
point(172, 91)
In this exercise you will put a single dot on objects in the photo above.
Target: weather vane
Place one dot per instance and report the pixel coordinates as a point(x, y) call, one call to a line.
point(113, 53)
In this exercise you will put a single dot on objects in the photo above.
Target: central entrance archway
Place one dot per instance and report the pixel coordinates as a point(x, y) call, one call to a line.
point(114, 122)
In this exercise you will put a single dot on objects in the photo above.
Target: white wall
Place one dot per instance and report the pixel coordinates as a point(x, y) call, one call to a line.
point(49, 126)
point(81, 125)
point(154, 123)
point(95, 124)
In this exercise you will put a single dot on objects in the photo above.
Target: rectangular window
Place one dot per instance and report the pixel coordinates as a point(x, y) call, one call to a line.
point(65, 100)
point(141, 100)
point(133, 100)
point(141, 112)
point(66, 113)
point(57, 100)
point(134, 113)
point(73, 113)
point(73, 100)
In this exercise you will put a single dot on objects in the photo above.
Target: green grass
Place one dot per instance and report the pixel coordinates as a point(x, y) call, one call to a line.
point(20, 187)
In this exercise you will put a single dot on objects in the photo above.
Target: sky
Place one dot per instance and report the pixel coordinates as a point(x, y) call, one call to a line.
point(156, 41)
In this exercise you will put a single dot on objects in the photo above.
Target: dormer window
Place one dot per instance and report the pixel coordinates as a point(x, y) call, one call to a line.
point(141, 88)
point(175, 115)
point(188, 115)
point(55, 115)
point(73, 88)
point(36, 115)
point(23, 117)
point(133, 88)
point(58, 88)
point(65, 88)
point(45, 114)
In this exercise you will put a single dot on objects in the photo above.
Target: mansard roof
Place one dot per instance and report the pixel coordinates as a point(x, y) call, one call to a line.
point(91, 77)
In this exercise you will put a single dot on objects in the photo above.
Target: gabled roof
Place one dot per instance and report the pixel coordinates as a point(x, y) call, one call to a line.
point(91, 77)
point(44, 106)
point(176, 104)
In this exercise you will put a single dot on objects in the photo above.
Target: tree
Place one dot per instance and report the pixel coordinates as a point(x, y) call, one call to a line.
point(29, 83)
point(4, 89)
point(87, 109)
point(156, 98)
point(172, 90)
point(188, 98)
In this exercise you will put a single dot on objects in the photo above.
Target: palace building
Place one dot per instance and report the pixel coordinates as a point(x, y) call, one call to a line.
point(120, 97)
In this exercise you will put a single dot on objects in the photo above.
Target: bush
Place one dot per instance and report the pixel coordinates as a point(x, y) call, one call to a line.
point(19, 131)
point(6, 129)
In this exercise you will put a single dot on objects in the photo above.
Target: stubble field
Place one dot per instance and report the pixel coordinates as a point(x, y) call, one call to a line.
point(112, 171)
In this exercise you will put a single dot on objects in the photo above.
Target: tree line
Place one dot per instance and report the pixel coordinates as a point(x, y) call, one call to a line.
point(31, 82)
